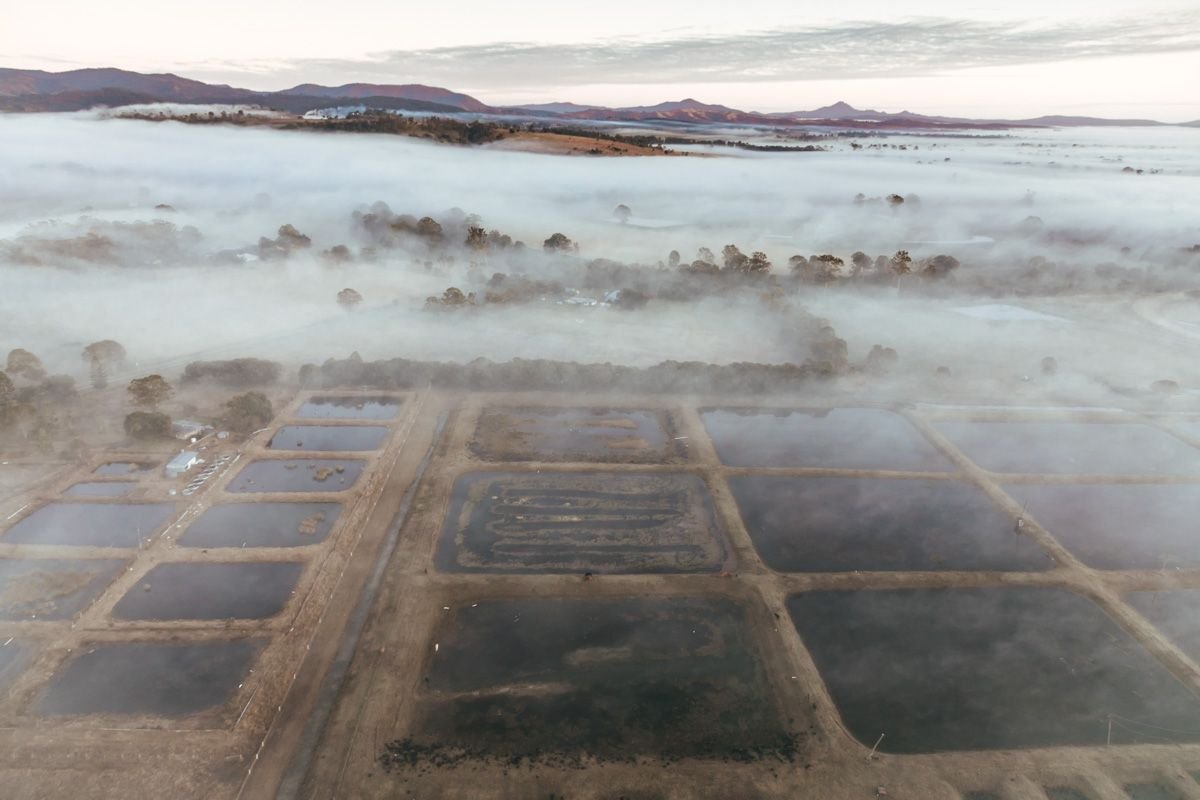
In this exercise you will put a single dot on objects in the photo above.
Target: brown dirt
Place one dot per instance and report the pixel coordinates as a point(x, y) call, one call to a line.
point(243, 748)
point(561, 144)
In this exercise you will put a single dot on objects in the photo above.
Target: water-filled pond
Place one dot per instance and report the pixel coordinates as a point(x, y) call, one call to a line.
point(334, 438)
point(1084, 448)
point(262, 525)
point(842, 524)
point(349, 407)
point(1175, 612)
point(118, 468)
point(987, 668)
point(298, 475)
point(99, 489)
point(201, 590)
point(1119, 526)
point(839, 438)
point(148, 677)
point(91, 524)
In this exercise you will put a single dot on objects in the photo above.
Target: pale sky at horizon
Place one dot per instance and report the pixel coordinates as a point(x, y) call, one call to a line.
point(1010, 59)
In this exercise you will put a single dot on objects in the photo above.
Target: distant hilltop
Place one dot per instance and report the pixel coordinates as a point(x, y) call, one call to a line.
point(35, 91)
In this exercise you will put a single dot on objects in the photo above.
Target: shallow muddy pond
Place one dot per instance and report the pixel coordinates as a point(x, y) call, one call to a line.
point(192, 590)
point(149, 678)
point(1064, 793)
point(262, 525)
point(99, 489)
point(840, 438)
point(91, 524)
point(986, 668)
point(1084, 448)
point(15, 656)
point(1151, 791)
point(842, 524)
point(1119, 526)
point(604, 522)
point(117, 468)
point(298, 475)
point(1175, 612)
point(53, 588)
point(613, 679)
point(337, 438)
point(574, 434)
point(332, 407)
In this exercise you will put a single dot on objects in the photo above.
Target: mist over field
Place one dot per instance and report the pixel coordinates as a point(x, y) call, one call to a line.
point(146, 233)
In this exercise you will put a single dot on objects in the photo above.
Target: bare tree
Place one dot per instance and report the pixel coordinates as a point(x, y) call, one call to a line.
point(101, 357)
point(758, 264)
point(735, 260)
point(476, 238)
point(24, 364)
point(860, 262)
point(827, 267)
point(901, 265)
point(349, 299)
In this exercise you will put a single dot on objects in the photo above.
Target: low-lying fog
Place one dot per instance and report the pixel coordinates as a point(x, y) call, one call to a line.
point(190, 286)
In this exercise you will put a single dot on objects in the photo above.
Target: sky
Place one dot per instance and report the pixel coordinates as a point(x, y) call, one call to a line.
point(1015, 58)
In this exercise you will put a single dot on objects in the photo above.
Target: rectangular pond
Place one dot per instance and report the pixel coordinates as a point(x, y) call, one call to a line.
point(15, 656)
point(350, 407)
point(1151, 791)
point(157, 678)
point(1188, 428)
point(1175, 612)
point(204, 590)
point(844, 524)
point(91, 524)
point(1085, 448)
point(298, 475)
point(574, 434)
point(1064, 793)
point(262, 525)
point(610, 679)
point(334, 438)
point(987, 668)
point(1119, 526)
point(839, 438)
point(100, 489)
point(53, 588)
point(581, 522)
point(124, 468)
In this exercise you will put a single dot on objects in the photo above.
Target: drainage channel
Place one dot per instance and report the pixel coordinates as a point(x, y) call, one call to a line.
point(293, 778)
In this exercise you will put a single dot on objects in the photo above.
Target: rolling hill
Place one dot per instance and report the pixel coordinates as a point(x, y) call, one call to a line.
point(37, 90)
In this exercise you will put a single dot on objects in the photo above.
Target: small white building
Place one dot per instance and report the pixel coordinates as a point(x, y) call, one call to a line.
point(182, 463)
point(189, 430)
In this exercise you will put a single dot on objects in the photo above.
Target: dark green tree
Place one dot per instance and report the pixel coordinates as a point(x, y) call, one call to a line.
point(246, 413)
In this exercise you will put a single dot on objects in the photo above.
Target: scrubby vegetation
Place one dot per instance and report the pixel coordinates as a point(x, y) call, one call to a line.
point(235, 373)
point(151, 391)
point(147, 425)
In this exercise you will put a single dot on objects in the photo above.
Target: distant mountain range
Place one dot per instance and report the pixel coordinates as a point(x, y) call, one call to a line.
point(35, 90)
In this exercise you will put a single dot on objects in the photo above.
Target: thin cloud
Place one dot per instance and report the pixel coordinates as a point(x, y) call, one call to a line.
point(909, 48)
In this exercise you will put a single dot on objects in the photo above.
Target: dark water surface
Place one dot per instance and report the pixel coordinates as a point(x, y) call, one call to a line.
point(987, 668)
